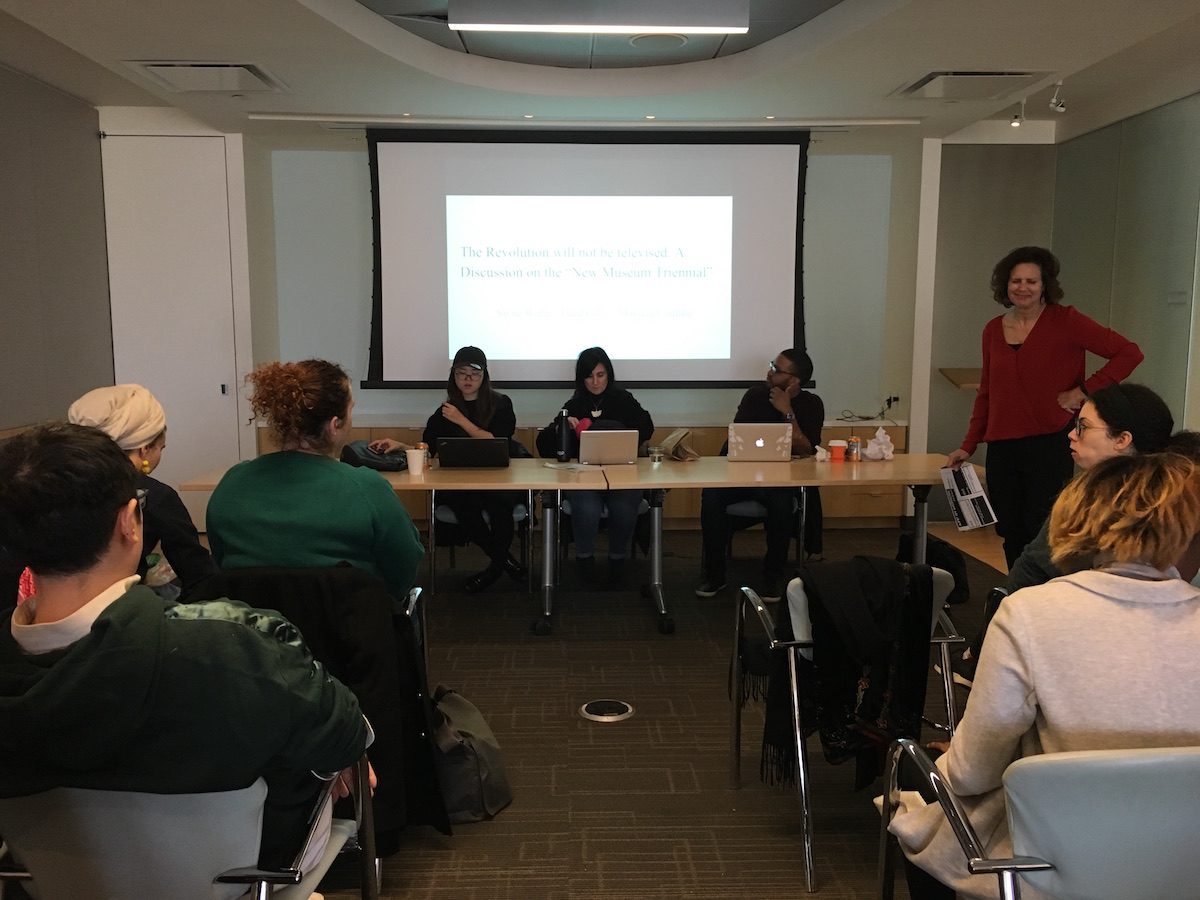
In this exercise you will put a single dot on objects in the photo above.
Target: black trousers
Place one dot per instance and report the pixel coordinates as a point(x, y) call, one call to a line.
point(1024, 475)
point(714, 526)
point(468, 507)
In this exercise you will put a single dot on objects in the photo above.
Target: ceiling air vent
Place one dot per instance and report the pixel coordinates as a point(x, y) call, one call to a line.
point(969, 85)
point(208, 77)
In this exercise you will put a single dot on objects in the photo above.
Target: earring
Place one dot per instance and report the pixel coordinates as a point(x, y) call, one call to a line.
point(146, 466)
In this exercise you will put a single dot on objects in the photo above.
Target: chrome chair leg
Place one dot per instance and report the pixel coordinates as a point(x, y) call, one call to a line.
point(802, 777)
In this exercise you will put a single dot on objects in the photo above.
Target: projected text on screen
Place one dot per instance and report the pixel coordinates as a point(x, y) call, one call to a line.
point(645, 277)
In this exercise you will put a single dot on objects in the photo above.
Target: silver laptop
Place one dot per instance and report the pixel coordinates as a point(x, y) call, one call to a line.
point(600, 447)
point(760, 442)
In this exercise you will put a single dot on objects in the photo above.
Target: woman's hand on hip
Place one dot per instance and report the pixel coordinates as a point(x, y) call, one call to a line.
point(1071, 400)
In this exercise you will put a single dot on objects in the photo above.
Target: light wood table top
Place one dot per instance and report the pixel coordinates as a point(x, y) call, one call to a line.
point(717, 471)
point(521, 474)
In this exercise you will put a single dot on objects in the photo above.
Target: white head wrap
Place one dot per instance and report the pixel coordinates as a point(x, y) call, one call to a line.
point(127, 413)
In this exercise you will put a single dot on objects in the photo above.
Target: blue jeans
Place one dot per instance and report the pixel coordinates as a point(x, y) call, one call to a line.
point(586, 507)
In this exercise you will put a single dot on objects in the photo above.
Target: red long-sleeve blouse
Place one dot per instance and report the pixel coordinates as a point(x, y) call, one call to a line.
point(1019, 388)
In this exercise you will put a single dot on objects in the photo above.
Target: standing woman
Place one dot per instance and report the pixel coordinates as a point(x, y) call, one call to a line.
point(129, 414)
point(472, 409)
point(300, 507)
point(1031, 387)
point(599, 402)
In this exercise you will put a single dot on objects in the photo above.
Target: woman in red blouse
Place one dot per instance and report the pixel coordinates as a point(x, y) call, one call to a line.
point(1032, 385)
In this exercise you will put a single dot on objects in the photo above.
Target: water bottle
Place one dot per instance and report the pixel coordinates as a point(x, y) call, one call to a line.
point(564, 437)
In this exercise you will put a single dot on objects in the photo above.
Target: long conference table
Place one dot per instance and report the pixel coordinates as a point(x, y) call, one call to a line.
point(917, 471)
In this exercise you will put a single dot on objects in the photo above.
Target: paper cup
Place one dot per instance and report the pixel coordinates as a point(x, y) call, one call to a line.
point(837, 451)
point(416, 461)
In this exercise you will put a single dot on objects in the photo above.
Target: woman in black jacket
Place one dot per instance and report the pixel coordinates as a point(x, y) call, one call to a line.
point(598, 401)
point(472, 409)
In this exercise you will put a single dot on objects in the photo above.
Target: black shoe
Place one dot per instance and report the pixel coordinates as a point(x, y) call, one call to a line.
point(585, 568)
point(616, 572)
point(484, 579)
point(962, 667)
point(515, 570)
point(771, 589)
point(709, 587)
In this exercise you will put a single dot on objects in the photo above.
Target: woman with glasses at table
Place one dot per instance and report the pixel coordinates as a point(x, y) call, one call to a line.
point(1031, 386)
point(473, 410)
point(598, 402)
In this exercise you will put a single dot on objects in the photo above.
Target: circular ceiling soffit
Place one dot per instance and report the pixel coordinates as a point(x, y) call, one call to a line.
point(658, 42)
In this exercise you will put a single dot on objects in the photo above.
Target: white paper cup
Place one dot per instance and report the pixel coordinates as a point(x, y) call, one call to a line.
point(416, 461)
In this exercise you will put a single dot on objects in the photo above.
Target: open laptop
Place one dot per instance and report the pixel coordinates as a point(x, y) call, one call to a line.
point(472, 453)
point(760, 441)
point(601, 447)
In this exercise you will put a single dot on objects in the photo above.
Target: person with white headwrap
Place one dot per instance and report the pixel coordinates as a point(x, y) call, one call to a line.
point(134, 419)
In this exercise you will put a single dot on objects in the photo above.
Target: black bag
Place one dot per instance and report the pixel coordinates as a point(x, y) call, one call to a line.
point(359, 453)
point(470, 767)
point(940, 555)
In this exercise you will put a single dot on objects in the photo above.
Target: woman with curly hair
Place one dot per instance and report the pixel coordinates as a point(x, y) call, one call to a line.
point(300, 507)
point(1031, 387)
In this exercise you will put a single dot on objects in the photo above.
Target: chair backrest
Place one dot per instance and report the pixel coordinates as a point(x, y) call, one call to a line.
point(113, 845)
point(1115, 824)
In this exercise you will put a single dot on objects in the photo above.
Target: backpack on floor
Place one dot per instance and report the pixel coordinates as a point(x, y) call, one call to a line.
point(470, 766)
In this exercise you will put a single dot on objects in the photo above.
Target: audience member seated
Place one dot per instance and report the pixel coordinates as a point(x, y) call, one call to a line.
point(779, 398)
point(129, 414)
point(472, 409)
point(300, 507)
point(1066, 662)
point(1117, 420)
point(599, 402)
point(104, 685)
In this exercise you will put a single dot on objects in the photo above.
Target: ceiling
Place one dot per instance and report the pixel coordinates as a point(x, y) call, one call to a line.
point(845, 66)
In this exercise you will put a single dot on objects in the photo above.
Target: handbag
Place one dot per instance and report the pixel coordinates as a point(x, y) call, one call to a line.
point(470, 766)
point(359, 453)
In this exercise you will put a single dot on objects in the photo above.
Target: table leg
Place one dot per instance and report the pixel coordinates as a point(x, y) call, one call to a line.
point(920, 520)
point(654, 590)
point(432, 547)
point(550, 504)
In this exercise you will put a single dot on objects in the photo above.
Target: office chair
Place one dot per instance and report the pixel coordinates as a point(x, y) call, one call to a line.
point(748, 599)
point(444, 515)
point(1087, 825)
point(82, 844)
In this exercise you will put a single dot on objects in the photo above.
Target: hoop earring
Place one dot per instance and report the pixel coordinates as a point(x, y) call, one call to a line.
point(146, 466)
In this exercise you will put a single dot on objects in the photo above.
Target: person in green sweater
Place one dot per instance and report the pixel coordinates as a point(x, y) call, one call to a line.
point(300, 507)
point(105, 685)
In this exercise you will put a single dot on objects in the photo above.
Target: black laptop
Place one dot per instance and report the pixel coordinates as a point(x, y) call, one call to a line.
point(472, 453)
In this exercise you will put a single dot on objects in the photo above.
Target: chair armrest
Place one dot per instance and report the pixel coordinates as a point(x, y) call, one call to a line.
point(252, 875)
point(412, 603)
point(978, 862)
point(749, 596)
point(949, 633)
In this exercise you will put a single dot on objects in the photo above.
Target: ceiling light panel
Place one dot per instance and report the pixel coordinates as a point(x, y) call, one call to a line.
point(602, 16)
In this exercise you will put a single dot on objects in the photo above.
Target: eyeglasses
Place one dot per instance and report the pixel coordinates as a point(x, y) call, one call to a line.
point(1080, 426)
point(141, 497)
point(775, 370)
point(468, 374)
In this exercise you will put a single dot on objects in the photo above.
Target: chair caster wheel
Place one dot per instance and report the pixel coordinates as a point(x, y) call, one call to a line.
point(666, 625)
point(541, 627)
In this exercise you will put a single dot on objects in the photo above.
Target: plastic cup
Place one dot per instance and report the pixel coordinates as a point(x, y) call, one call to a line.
point(656, 454)
point(416, 461)
point(837, 451)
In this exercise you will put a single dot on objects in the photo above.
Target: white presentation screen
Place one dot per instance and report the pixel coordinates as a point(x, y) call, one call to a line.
point(678, 259)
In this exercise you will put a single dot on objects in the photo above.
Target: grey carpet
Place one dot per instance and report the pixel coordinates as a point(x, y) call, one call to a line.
point(641, 808)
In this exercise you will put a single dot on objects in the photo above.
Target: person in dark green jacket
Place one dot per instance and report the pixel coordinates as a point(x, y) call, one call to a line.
point(105, 685)
point(300, 507)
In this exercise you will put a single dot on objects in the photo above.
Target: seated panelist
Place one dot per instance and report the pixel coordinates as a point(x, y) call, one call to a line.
point(473, 410)
point(104, 685)
point(300, 507)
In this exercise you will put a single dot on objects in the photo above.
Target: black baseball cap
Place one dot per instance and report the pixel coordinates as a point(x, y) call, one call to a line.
point(470, 356)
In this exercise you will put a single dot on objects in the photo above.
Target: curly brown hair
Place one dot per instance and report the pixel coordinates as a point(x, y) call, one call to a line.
point(1129, 508)
point(298, 398)
point(1046, 261)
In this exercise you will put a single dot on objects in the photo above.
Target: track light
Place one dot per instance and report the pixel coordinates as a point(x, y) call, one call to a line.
point(1059, 106)
point(1019, 118)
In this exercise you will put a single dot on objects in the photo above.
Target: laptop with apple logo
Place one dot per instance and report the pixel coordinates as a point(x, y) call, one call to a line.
point(760, 442)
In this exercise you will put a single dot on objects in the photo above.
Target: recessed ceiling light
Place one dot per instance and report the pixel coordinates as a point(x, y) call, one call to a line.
point(408, 114)
point(529, 115)
point(649, 117)
point(770, 117)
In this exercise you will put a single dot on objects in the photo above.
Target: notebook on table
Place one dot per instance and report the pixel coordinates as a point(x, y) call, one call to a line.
point(760, 441)
point(472, 453)
point(601, 447)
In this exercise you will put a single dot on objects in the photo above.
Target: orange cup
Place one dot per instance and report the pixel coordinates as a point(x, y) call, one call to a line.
point(837, 451)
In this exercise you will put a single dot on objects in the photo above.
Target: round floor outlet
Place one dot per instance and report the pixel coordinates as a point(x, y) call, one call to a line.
point(606, 710)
